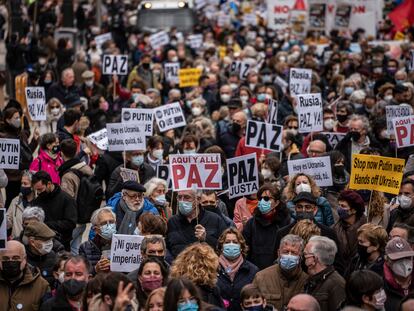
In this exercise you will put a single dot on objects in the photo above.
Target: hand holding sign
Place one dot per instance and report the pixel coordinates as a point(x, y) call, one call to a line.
point(200, 233)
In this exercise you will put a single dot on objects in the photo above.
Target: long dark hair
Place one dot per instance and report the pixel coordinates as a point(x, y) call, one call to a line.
point(174, 289)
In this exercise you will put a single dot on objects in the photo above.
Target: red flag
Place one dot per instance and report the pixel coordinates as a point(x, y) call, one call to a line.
point(403, 15)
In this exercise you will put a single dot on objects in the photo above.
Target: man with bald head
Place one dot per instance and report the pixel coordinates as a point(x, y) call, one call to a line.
point(229, 140)
point(21, 285)
point(303, 302)
point(316, 148)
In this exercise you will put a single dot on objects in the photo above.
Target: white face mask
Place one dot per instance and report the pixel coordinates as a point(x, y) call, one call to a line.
point(405, 202)
point(158, 154)
point(55, 111)
point(46, 247)
point(244, 99)
point(402, 267)
point(196, 111)
point(42, 61)
point(388, 98)
point(303, 188)
point(266, 173)
point(225, 98)
point(329, 124)
point(234, 86)
point(89, 83)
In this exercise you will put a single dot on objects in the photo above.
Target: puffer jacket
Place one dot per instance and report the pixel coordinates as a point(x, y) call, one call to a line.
point(92, 250)
point(27, 295)
point(44, 262)
point(45, 163)
point(230, 290)
point(324, 214)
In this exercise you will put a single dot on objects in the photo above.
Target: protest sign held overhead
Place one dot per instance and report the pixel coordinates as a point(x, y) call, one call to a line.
point(242, 175)
point(36, 103)
point(101, 39)
point(100, 139)
point(163, 172)
point(195, 171)
point(300, 81)
point(189, 77)
point(317, 15)
point(115, 65)
point(159, 39)
point(310, 116)
point(395, 111)
point(404, 131)
point(333, 137)
point(318, 168)
point(9, 153)
point(195, 41)
point(263, 135)
point(126, 137)
point(143, 117)
point(169, 116)
point(369, 172)
point(171, 72)
point(125, 252)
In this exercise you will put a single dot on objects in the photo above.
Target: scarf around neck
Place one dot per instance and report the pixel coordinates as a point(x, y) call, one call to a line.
point(229, 267)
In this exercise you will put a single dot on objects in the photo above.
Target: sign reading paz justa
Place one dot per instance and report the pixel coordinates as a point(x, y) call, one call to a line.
point(195, 171)
point(376, 173)
point(115, 65)
point(9, 153)
point(404, 131)
point(319, 168)
point(169, 116)
point(36, 103)
point(300, 81)
point(263, 135)
point(310, 112)
point(125, 252)
point(242, 175)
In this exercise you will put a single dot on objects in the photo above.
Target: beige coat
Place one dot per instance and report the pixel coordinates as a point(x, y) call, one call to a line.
point(70, 182)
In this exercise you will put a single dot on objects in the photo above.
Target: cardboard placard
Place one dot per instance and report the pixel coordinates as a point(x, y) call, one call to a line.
point(273, 107)
point(169, 116)
point(318, 168)
point(36, 103)
point(242, 175)
point(115, 65)
point(263, 135)
point(125, 252)
point(9, 153)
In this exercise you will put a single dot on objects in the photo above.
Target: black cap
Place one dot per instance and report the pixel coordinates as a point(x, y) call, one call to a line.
point(305, 196)
point(235, 103)
point(399, 88)
point(133, 186)
point(72, 100)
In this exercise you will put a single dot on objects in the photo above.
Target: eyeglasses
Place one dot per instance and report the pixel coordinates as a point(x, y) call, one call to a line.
point(184, 197)
point(293, 127)
point(135, 196)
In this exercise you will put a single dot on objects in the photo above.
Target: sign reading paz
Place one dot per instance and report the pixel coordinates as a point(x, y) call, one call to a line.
point(195, 171)
point(36, 103)
point(9, 153)
point(310, 113)
point(125, 252)
point(243, 176)
point(115, 65)
point(376, 173)
point(319, 168)
point(169, 116)
point(404, 131)
point(263, 135)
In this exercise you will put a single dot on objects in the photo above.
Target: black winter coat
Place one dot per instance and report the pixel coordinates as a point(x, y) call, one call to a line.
point(92, 252)
point(260, 236)
point(59, 91)
point(230, 290)
point(106, 164)
point(228, 142)
point(45, 263)
point(180, 232)
point(211, 295)
point(60, 213)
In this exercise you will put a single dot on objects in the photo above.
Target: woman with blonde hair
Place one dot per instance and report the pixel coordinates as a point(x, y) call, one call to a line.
point(305, 229)
point(305, 183)
point(199, 263)
point(378, 210)
point(155, 301)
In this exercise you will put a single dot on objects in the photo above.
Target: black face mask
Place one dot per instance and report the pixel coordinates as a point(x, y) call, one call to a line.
point(73, 287)
point(304, 215)
point(355, 135)
point(341, 117)
point(55, 149)
point(235, 128)
point(363, 252)
point(339, 170)
point(11, 269)
point(25, 191)
point(146, 65)
point(210, 208)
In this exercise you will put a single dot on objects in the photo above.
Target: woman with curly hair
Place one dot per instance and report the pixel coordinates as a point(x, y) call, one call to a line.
point(234, 271)
point(199, 263)
point(305, 183)
point(378, 209)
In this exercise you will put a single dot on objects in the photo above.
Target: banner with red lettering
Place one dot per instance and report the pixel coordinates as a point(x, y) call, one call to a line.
point(195, 171)
point(278, 13)
point(404, 131)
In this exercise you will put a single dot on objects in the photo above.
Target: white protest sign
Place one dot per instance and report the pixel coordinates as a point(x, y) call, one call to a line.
point(333, 137)
point(36, 103)
point(159, 39)
point(223, 20)
point(310, 112)
point(163, 172)
point(318, 168)
point(411, 62)
point(100, 139)
point(195, 41)
point(128, 174)
point(282, 83)
point(250, 19)
point(143, 117)
point(395, 111)
point(3, 228)
point(125, 252)
point(126, 137)
point(300, 81)
point(115, 65)
point(242, 175)
point(404, 131)
point(169, 116)
point(101, 39)
point(278, 12)
point(241, 67)
point(9, 153)
point(171, 72)
point(195, 171)
point(273, 107)
point(263, 135)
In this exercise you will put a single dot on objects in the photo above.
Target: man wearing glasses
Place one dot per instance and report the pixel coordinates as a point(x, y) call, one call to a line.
point(21, 285)
point(192, 224)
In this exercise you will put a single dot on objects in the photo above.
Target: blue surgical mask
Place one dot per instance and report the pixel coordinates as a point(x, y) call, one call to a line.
point(107, 231)
point(189, 151)
point(264, 206)
point(137, 160)
point(185, 207)
point(161, 200)
point(288, 262)
point(348, 90)
point(261, 97)
point(191, 305)
point(231, 250)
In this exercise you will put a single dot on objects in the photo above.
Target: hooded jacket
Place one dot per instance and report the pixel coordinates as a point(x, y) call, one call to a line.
point(44, 162)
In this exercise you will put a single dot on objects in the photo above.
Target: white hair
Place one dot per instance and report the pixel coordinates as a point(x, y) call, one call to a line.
point(97, 213)
point(152, 184)
point(292, 239)
point(34, 212)
point(363, 119)
point(358, 96)
point(324, 249)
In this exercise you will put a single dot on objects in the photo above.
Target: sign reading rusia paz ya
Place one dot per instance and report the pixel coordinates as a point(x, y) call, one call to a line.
point(370, 172)
point(195, 171)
